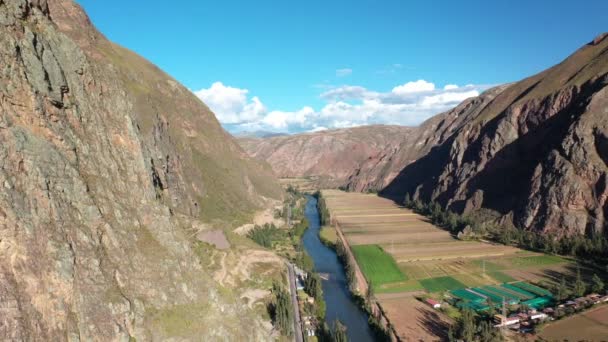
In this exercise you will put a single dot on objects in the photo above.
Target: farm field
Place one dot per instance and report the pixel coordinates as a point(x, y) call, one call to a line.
point(430, 255)
point(413, 320)
point(377, 265)
point(302, 184)
point(591, 325)
point(429, 258)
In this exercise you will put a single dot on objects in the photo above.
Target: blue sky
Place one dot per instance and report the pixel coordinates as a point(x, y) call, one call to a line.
point(309, 65)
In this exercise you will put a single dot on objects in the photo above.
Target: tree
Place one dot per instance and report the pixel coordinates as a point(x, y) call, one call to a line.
point(597, 284)
point(339, 332)
point(312, 285)
point(282, 310)
point(407, 202)
point(464, 328)
point(562, 290)
point(579, 286)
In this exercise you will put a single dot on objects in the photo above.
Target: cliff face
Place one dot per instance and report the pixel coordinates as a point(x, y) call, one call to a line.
point(535, 155)
point(107, 168)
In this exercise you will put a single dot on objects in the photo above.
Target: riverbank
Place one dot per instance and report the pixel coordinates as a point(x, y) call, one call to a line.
point(341, 305)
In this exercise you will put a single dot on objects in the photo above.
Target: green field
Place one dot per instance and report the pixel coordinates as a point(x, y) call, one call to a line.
point(501, 277)
point(537, 260)
point(441, 284)
point(377, 265)
point(405, 286)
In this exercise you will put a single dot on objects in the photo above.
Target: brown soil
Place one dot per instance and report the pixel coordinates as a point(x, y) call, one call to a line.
point(414, 320)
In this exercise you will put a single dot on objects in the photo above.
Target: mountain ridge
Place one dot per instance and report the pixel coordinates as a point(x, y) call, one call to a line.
point(530, 153)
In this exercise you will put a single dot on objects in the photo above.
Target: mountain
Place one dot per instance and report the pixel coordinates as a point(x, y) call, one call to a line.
point(258, 134)
point(329, 156)
point(536, 155)
point(532, 153)
point(109, 168)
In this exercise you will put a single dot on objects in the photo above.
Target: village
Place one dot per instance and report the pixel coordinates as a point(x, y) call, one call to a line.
point(522, 318)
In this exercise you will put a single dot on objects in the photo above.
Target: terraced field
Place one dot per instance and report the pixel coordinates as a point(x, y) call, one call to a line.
point(428, 258)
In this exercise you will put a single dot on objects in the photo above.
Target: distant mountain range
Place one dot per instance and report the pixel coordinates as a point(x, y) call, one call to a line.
point(258, 134)
point(534, 152)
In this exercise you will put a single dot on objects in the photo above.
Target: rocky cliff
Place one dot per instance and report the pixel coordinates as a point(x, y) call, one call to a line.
point(532, 153)
point(535, 155)
point(108, 169)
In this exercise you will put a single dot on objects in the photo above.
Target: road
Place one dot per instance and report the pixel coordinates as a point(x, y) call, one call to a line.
point(294, 301)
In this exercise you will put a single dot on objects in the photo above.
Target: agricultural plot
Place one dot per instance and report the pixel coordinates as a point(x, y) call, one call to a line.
point(392, 244)
point(424, 251)
point(591, 325)
point(441, 284)
point(480, 298)
point(378, 267)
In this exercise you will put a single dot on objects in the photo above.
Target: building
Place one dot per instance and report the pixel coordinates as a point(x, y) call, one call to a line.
point(538, 315)
point(433, 303)
point(501, 321)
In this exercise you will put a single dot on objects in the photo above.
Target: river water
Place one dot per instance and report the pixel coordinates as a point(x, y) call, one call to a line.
point(340, 304)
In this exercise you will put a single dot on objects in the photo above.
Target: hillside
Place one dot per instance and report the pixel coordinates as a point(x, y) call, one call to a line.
point(329, 155)
point(360, 158)
point(535, 156)
point(533, 152)
point(109, 168)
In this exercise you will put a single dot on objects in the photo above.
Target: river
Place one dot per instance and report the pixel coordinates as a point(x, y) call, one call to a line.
point(340, 304)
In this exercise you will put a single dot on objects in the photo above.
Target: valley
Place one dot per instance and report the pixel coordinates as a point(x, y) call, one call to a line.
point(388, 208)
point(404, 258)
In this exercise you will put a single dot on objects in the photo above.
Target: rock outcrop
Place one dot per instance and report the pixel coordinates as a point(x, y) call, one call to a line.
point(107, 168)
point(534, 156)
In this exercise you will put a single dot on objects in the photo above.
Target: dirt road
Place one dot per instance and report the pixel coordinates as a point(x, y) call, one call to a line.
point(294, 300)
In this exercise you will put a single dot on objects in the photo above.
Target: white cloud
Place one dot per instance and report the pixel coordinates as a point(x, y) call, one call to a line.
point(414, 87)
point(344, 72)
point(318, 129)
point(346, 106)
point(230, 104)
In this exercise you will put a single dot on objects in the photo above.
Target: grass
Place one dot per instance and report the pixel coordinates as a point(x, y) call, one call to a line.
point(489, 266)
point(377, 265)
point(501, 277)
point(328, 236)
point(405, 286)
point(441, 284)
point(537, 260)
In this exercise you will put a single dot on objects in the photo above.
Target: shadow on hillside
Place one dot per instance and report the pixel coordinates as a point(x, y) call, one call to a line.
point(505, 179)
point(433, 323)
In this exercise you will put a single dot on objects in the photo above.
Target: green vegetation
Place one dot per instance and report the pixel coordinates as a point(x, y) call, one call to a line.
point(501, 277)
point(597, 285)
point(592, 248)
point(441, 284)
point(280, 310)
point(406, 286)
point(339, 332)
point(322, 207)
point(266, 235)
point(487, 265)
point(537, 260)
point(377, 265)
point(349, 268)
point(328, 236)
